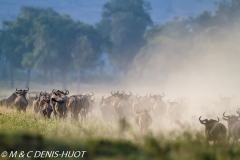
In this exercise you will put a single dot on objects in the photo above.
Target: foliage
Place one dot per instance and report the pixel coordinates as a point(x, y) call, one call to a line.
point(43, 39)
point(186, 44)
point(126, 22)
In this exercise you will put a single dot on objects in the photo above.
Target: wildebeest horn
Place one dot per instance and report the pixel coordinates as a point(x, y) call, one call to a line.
point(233, 96)
point(92, 94)
point(123, 91)
point(218, 119)
point(130, 93)
point(36, 97)
point(40, 93)
point(66, 92)
point(18, 90)
point(53, 91)
point(201, 121)
point(111, 93)
point(27, 89)
point(103, 98)
point(225, 116)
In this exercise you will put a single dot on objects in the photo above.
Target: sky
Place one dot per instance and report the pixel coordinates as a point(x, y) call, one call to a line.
point(89, 11)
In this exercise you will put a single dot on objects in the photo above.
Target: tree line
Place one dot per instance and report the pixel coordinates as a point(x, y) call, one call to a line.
point(42, 39)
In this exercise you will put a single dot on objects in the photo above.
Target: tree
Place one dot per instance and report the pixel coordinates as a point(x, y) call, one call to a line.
point(126, 22)
point(87, 49)
point(12, 48)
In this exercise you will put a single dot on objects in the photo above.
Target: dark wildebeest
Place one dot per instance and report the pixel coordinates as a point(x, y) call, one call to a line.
point(143, 120)
point(233, 126)
point(38, 102)
point(214, 130)
point(58, 101)
point(45, 108)
point(20, 101)
point(78, 104)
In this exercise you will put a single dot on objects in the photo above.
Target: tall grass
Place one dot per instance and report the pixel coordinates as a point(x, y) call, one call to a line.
point(27, 132)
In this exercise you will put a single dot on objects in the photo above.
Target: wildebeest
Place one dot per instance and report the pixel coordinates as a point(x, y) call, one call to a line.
point(233, 126)
point(91, 103)
point(79, 104)
point(46, 108)
point(214, 130)
point(121, 105)
point(58, 102)
point(20, 101)
point(175, 110)
point(143, 120)
point(108, 112)
point(159, 108)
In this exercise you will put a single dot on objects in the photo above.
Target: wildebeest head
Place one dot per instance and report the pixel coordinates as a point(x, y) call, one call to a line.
point(214, 130)
point(157, 96)
point(207, 122)
point(91, 95)
point(123, 95)
point(105, 101)
point(47, 106)
point(21, 91)
point(114, 94)
point(18, 91)
point(230, 119)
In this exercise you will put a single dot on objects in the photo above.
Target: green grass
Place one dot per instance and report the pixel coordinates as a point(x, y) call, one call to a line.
point(26, 132)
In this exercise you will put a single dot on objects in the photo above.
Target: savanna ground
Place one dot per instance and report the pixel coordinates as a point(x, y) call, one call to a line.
point(108, 140)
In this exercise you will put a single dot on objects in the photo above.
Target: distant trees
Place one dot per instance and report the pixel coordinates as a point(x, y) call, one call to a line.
point(205, 43)
point(123, 24)
point(42, 39)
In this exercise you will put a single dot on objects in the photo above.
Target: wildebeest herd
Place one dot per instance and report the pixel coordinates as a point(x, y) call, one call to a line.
point(143, 110)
